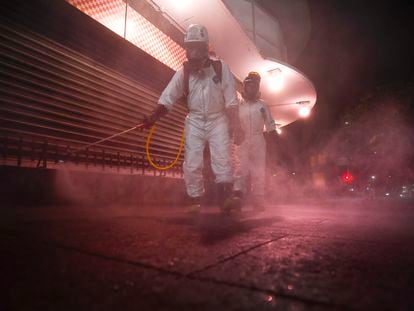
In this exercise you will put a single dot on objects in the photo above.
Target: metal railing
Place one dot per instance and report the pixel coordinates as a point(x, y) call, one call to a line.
point(17, 151)
point(54, 100)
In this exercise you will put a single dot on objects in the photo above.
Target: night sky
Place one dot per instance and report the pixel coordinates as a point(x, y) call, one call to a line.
point(353, 47)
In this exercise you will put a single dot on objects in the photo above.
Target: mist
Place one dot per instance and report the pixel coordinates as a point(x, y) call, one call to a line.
point(369, 155)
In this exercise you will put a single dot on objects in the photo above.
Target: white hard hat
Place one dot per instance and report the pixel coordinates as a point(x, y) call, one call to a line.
point(196, 33)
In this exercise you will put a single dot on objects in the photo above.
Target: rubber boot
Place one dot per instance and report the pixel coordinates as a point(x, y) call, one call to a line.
point(224, 197)
point(194, 206)
point(238, 199)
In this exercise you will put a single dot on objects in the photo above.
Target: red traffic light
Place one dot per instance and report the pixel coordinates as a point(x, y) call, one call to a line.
point(347, 177)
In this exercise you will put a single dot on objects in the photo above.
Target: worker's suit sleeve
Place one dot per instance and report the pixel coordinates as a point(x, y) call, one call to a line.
point(229, 86)
point(174, 90)
point(270, 123)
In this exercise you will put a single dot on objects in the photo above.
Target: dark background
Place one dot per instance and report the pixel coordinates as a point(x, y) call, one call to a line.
point(358, 54)
point(353, 48)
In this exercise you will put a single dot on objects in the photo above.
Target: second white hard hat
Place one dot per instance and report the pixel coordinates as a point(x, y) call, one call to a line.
point(196, 33)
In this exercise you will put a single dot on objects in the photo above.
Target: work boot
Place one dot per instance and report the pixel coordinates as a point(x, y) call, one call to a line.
point(237, 199)
point(195, 205)
point(259, 203)
point(224, 197)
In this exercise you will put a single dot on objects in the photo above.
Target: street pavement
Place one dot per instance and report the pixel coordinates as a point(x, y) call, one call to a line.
point(326, 255)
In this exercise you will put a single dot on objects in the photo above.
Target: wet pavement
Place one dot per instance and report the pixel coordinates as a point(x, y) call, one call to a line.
point(331, 255)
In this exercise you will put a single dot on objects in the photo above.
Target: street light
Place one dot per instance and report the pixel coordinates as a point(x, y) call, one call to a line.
point(304, 110)
point(278, 128)
point(275, 79)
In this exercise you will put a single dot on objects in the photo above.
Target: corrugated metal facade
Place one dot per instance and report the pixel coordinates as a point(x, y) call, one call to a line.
point(66, 81)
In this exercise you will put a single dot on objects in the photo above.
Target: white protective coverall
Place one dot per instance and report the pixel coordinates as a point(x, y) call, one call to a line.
point(206, 122)
point(251, 154)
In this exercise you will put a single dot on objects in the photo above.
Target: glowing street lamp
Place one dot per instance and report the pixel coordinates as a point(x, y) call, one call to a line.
point(304, 110)
point(278, 129)
point(276, 82)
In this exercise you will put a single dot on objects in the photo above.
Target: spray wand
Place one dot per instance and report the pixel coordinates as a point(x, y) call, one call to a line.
point(138, 126)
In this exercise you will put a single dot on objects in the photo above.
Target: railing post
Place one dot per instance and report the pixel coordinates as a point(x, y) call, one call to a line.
point(164, 172)
point(76, 160)
point(87, 157)
point(42, 157)
point(67, 156)
point(132, 163)
point(5, 151)
point(19, 152)
point(56, 153)
point(103, 159)
point(143, 165)
point(32, 151)
point(118, 160)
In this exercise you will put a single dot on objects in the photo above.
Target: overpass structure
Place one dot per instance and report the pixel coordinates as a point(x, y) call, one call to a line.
point(76, 71)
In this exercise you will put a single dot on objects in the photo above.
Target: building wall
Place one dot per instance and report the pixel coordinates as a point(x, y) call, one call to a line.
point(68, 81)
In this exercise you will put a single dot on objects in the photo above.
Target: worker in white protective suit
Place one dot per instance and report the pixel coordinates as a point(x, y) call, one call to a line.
point(212, 102)
point(251, 154)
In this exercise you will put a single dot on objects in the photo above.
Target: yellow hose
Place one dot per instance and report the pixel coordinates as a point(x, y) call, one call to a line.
point(162, 168)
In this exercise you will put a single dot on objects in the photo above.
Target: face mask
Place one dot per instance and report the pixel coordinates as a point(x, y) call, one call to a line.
point(196, 51)
point(251, 91)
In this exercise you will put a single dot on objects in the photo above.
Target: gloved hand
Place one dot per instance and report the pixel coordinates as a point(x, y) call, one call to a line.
point(148, 122)
point(236, 131)
point(238, 136)
point(273, 141)
point(273, 134)
point(158, 112)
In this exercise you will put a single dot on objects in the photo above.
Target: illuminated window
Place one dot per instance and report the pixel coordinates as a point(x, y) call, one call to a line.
point(139, 31)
